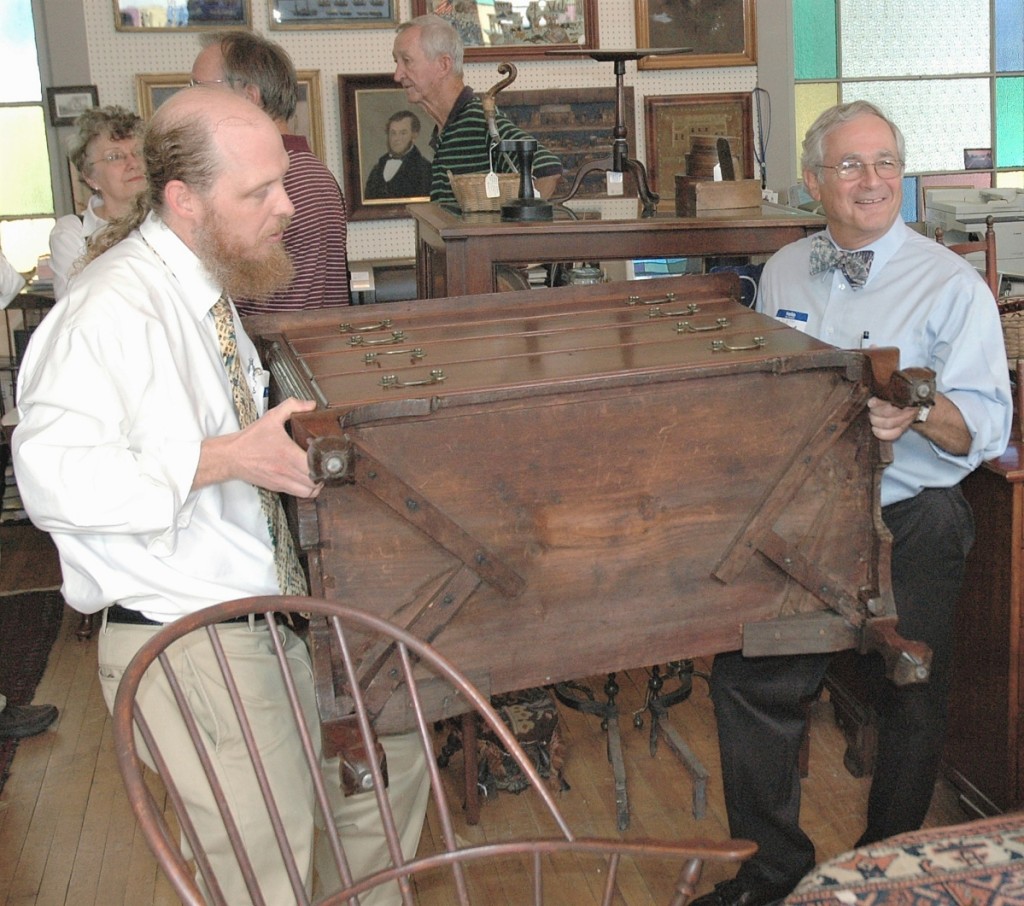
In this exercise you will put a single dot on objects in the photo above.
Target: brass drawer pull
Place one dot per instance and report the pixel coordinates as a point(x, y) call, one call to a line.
point(690, 309)
point(416, 353)
point(388, 381)
point(636, 300)
point(722, 346)
point(687, 327)
point(397, 336)
point(380, 325)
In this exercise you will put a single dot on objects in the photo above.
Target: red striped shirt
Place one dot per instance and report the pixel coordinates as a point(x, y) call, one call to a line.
point(315, 239)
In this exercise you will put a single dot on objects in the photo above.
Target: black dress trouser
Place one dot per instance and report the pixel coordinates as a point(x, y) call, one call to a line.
point(760, 713)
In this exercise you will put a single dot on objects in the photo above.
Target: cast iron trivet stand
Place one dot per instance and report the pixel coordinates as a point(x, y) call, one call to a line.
point(581, 698)
point(619, 160)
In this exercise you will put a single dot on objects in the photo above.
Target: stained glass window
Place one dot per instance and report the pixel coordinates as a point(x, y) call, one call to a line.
point(958, 63)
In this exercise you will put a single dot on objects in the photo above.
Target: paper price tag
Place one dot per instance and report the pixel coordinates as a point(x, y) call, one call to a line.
point(614, 182)
point(491, 188)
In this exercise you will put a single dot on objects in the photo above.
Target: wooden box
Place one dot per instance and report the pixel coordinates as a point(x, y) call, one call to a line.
point(699, 196)
point(555, 483)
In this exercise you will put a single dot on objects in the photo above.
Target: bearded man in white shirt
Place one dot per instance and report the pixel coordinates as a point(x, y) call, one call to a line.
point(130, 453)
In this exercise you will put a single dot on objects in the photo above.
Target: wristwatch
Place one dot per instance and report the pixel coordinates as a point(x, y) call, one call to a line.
point(922, 414)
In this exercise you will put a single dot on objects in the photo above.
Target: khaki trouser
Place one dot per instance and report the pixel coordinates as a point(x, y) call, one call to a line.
point(250, 652)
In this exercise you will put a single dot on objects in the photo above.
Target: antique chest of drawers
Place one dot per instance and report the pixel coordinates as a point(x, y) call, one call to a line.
point(556, 483)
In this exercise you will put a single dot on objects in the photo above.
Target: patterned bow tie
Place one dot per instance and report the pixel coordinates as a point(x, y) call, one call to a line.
point(854, 265)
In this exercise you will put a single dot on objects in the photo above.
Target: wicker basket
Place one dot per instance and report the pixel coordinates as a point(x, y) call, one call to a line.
point(1012, 317)
point(468, 189)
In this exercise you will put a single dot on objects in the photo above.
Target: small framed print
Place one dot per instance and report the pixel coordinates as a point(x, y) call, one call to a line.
point(977, 158)
point(67, 104)
point(312, 14)
point(181, 15)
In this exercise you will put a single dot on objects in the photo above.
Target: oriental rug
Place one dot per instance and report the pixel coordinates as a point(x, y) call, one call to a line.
point(29, 624)
point(980, 863)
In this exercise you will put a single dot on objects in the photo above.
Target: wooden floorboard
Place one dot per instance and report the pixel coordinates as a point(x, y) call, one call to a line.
point(67, 835)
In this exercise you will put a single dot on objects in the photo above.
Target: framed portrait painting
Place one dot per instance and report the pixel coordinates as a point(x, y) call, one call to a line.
point(716, 33)
point(386, 142)
point(181, 15)
point(152, 89)
point(517, 29)
point(312, 14)
point(673, 122)
point(574, 124)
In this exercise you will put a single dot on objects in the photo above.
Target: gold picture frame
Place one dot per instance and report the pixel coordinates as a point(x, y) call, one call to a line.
point(717, 33)
point(672, 121)
point(366, 101)
point(152, 89)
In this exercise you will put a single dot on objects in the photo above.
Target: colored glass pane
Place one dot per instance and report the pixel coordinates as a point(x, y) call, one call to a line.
point(27, 157)
point(814, 39)
point(915, 107)
point(1010, 122)
point(1009, 35)
point(908, 209)
point(893, 38)
point(811, 98)
point(19, 67)
point(1011, 179)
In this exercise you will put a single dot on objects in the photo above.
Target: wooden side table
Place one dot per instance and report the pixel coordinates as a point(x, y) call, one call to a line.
point(984, 755)
point(984, 743)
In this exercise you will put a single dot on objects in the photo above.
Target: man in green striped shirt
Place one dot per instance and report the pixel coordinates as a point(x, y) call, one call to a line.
point(428, 55)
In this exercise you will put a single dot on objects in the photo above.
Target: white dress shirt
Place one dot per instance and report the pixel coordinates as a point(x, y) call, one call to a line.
point(930, 304)
point(68, 240)
point(121, 383)
point(11, 282)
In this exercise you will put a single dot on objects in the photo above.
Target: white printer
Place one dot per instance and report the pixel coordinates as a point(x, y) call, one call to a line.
point(962, 213)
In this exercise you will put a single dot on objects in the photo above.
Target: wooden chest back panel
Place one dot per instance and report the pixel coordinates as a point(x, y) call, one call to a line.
point(615, 527)
point(605, 460)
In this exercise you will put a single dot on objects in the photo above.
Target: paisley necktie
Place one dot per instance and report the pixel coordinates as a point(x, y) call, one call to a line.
point(854, 265)
point(289, 571)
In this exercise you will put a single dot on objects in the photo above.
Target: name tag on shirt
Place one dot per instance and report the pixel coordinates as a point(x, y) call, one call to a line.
point(796, 319)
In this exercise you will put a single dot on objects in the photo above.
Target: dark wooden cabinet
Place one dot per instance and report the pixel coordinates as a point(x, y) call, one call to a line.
point(984, 737)
point(984, 744)
point(457, 254)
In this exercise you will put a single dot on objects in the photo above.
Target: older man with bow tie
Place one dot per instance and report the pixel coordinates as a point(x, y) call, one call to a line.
point(870, 276)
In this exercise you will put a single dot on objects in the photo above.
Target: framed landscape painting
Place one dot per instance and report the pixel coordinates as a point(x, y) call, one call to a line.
point(716, 33)
point(517, 29)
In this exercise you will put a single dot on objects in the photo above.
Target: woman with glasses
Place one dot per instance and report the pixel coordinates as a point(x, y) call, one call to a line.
point(106, 153)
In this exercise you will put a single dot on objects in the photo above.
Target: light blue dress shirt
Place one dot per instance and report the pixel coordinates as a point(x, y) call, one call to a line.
point(932, 305)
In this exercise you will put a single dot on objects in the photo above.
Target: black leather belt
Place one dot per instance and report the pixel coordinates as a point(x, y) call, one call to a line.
point(124, 615)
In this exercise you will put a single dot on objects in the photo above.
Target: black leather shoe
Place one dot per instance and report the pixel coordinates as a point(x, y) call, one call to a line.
point(743, 892)
point(19, 721)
